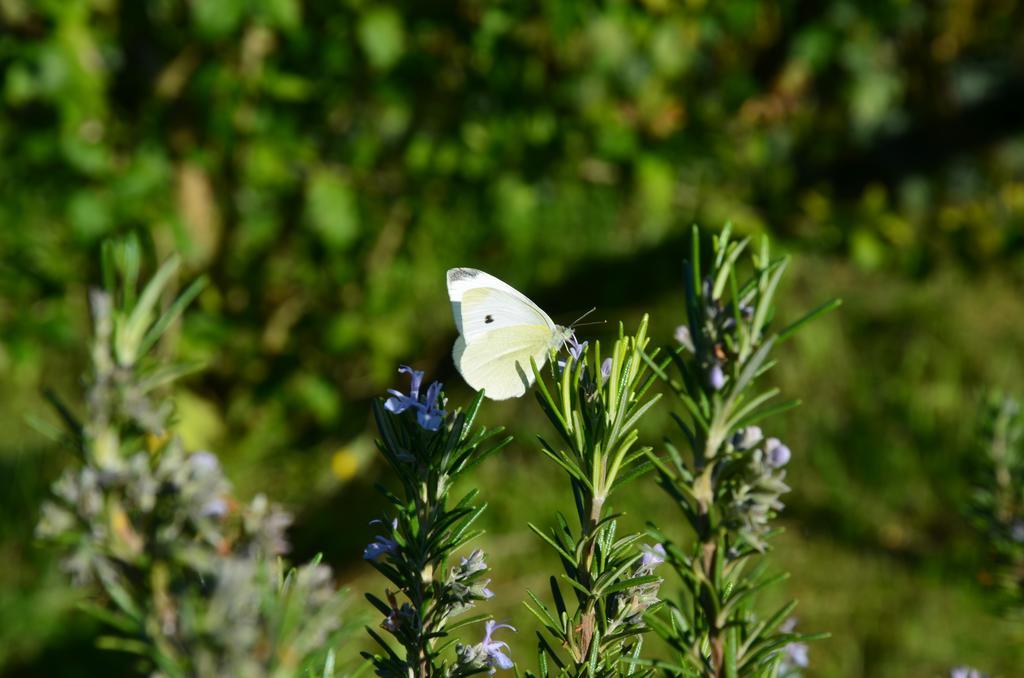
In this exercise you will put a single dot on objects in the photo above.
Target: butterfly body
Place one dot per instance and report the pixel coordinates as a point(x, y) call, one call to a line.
point(500, 330)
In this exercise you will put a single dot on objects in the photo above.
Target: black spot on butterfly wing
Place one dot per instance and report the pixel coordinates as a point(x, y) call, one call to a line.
point(489, 319)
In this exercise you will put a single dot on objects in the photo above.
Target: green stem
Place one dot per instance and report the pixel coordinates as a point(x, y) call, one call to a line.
point(710, 554)
point(589, 617)
point(421, 648)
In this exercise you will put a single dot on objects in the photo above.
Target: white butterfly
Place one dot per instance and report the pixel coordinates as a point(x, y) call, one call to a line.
point(499, 331)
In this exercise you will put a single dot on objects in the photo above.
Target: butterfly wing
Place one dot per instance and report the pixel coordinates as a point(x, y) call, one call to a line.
point(499, 360)
point(486, 309)
point(481, 303)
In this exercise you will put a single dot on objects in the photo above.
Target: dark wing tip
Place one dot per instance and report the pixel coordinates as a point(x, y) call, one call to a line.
point(455, 274)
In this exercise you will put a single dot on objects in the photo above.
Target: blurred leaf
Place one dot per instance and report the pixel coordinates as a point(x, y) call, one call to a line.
point(89, 215)
point(331, 209)
point(284, 14)
point(318, 396)
point(217, 18)
point(382, 36)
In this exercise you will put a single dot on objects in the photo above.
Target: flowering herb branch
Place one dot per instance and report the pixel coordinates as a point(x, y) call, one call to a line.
point(595, 407)
point(429, 448)
point(729, 486)
point(184, 575)
point(998, 501)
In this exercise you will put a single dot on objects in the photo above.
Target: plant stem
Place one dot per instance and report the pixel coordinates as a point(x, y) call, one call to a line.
point(422, 649)
point(715, 635)
point(588, 619)
point(709, 552)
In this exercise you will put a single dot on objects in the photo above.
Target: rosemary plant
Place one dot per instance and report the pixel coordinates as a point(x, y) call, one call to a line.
point(595, 407)
point(429, 448)
point(184, 575)
point(729, 486)
point(998, 501)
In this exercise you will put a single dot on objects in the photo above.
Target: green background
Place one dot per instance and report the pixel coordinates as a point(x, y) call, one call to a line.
point(325, 162)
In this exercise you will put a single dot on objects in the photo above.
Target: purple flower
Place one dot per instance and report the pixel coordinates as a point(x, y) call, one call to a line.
point(606, 369)
point(399, 402)
point(497, 658)
point(716, 377)
point(777, 454)
point(472, 563)
point(465, 586)
point(653, 556)
point(965, 672)
point(203, 462)
point(796, 655)
point(379, 547)
point(382, 544)
point(1017, 531)
point(636, 600)
point(575, 347)
point(215, 508)
point(428, 414)
point(683, 337)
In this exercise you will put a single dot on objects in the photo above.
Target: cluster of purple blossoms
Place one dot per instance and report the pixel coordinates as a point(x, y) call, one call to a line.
point(754, 493)
point(428, 413)
point(464, 588)
point(719, 320)
point(635, 601)
point(715, 373)
point(448, 590)
point(465, 584)
point(775, 455)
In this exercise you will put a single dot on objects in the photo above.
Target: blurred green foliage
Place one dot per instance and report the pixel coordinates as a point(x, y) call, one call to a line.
point(325, 162)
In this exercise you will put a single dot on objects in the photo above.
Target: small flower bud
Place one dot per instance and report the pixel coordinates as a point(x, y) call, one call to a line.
point(215, 508)
point(746, 438)
point(776, 454)
point(1017, 531)
point(683, 337)
point(716, 377)
point(204, 462)
point(796, 655)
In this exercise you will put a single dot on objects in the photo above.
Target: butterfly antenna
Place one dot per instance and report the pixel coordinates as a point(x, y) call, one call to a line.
point(592, 322)
point(576, 323)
